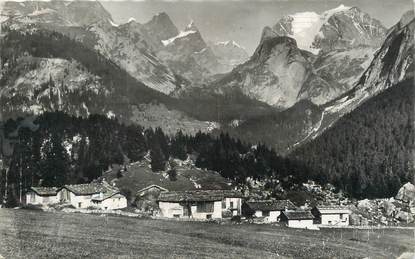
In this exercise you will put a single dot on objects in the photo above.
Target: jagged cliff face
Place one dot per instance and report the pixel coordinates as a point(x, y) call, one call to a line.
point(49, 84)
point(338, 28)
point(328, 54)
point(189, 56)
point(335, 73)
point(90, 23)
point(76, 13)
point(274, 74)
point(130, 50)
point(159, 28)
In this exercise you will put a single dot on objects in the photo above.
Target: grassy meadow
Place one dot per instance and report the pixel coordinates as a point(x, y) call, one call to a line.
point(37, 234)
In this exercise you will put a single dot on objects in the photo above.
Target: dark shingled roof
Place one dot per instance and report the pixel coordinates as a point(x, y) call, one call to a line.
point(271, 205)
point(293, 215)
point(198, 195)
point(92, 188)
point(45, 191)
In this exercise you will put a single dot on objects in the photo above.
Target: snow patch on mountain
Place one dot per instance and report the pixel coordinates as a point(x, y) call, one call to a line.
point(231, 43)
point(131, 19)
point(182, 34)
point(113, 23)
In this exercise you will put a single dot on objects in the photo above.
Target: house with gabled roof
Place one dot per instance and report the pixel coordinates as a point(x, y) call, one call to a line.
point(297, 219)
point(96, 194)
point(100, 195)
point(199, 204)
point(331, 215)
point(42, 195)
point(269, 210)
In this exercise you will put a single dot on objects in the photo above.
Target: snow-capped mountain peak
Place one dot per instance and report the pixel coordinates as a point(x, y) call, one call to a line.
point(305, 26)
point(229, 53)
point(229, 43)
point(338, 28)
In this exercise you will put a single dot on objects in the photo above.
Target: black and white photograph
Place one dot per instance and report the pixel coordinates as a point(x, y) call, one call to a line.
point(207, 129)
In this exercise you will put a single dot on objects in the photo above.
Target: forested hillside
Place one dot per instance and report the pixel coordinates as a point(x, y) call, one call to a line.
point(369, 152)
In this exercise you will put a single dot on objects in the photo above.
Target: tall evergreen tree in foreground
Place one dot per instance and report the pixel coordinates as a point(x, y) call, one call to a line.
point(55, 163)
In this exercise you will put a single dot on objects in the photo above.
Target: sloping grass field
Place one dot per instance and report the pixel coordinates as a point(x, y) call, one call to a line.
point(37, 234)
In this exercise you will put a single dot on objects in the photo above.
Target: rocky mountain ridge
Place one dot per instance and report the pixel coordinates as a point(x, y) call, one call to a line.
point(295, 69)
point(338, 28)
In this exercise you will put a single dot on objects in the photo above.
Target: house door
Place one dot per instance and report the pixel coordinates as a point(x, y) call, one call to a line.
point(187, 210)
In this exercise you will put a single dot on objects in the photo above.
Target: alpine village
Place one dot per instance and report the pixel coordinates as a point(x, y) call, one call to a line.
point(125, 128)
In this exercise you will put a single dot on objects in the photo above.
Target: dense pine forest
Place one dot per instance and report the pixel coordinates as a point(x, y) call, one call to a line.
point(369, 152)
point(56, 149)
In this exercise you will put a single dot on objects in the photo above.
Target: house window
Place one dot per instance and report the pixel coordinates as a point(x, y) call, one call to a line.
point(341, 216)
point(265, 213)
point(208, 216)
point(223, 204)
point(231, 204)
point(176, 215)
point(79, 204)
point(329, 222)
point(204, 206)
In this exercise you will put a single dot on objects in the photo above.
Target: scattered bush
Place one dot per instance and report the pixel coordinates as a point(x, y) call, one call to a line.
point(236, 219)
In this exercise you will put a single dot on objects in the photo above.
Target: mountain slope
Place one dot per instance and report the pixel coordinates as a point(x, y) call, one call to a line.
point(89, 23)
point(370, 151)
point(46, 71)
point(392, 63)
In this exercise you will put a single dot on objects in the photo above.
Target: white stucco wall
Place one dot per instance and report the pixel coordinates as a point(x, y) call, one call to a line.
point(112, 203)
point(216, 214)
point(258, 213)
point(237, 203)
point(35, 199)
point(334, 219)
point(170, 209)
point(302, 223)
point(81, 201)
point(273, 216)
point(234, 210)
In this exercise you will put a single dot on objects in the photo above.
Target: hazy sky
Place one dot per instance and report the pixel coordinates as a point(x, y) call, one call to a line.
point(244, 20)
